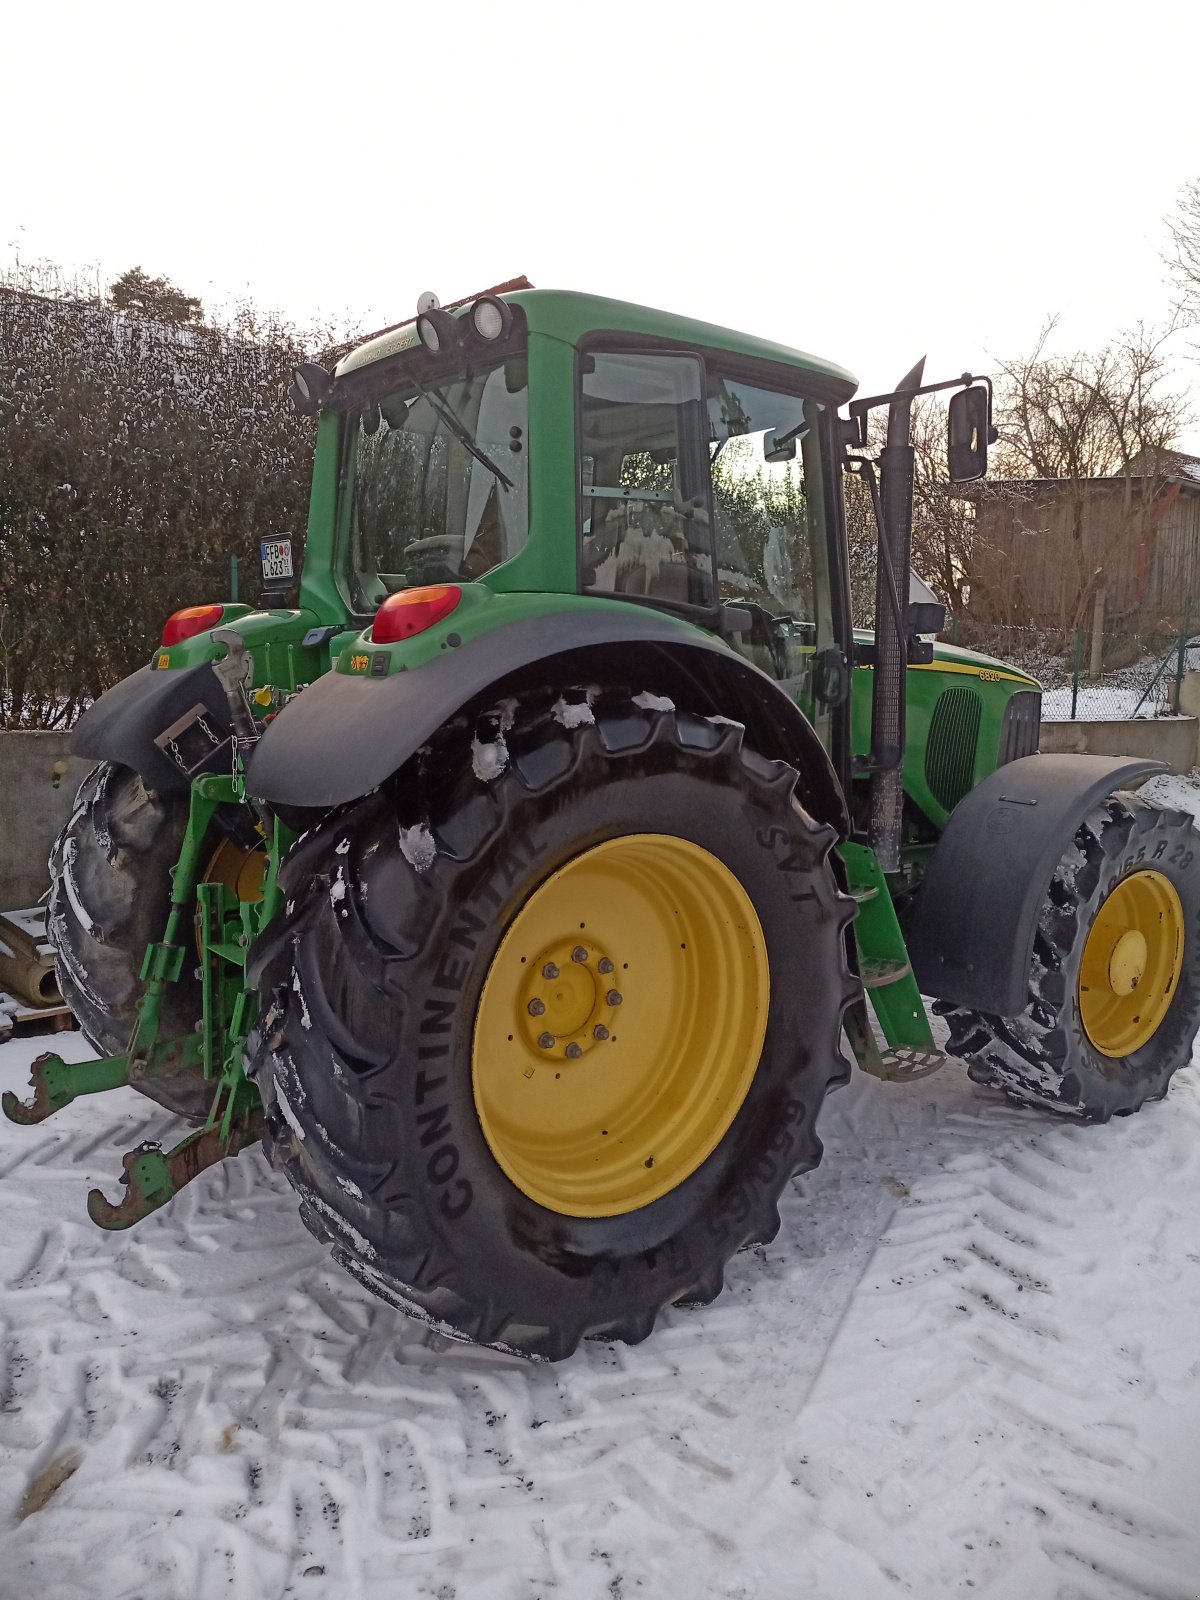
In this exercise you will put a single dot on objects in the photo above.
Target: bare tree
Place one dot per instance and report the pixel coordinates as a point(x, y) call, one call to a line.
point(1076, 419)
point(944, 528)
point(1086, 416)
point(944, 523)
point(1183, 259)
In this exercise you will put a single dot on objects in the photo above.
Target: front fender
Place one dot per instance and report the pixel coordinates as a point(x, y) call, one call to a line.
point(971, 937)
point(345, 735)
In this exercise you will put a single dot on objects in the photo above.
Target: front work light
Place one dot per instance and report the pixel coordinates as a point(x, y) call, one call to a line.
point(411, 611)
point(190, 621)
point(438, 331)
point(491, 318)
point(310, 384)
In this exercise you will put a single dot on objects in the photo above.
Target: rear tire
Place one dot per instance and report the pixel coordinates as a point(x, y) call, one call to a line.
point(1090, 1042)
point(381, 1091)
point(110, 894)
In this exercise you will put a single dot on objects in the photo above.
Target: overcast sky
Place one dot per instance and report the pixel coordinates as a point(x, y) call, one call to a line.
point(867, 181)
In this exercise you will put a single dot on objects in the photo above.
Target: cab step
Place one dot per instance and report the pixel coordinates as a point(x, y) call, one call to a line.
point(901, 1063)
point(905, 1063)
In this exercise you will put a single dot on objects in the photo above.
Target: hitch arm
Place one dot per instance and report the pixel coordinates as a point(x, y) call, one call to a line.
point(153, 1176)
point(56, 1082)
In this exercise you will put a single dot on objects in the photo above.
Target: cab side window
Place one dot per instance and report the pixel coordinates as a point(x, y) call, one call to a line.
point(645, 527)
point(770, 526)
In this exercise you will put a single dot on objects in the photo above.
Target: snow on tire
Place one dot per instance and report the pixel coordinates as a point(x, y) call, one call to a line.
point(378, 986)
point(110, 892)
point(1114, 983)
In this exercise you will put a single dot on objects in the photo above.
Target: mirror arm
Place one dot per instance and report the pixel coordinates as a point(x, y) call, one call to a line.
point(859, 408)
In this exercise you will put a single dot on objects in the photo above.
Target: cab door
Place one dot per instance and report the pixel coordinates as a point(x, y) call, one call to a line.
point(771, 534)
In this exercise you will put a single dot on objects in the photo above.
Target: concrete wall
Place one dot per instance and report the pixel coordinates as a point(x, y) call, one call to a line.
point(1189, 694)
point(1169, 739)
point(38, 780)
point(1174, 740)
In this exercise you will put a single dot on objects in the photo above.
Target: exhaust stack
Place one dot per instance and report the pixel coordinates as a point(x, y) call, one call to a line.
point(891, 606)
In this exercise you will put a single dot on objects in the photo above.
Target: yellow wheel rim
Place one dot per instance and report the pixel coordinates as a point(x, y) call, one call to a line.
point(620, 1025)
point(1131, 964)
point(241, 871)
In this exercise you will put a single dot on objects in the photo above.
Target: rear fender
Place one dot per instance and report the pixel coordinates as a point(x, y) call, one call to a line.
point(123, 723)
point(346, 734)
point(970, 939)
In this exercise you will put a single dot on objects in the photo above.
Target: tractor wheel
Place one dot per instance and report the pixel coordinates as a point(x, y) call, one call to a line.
point(539, 1062)
point(110, 893)
point(1114, 984)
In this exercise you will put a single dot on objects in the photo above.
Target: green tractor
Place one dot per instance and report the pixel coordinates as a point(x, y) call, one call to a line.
point(520, 885)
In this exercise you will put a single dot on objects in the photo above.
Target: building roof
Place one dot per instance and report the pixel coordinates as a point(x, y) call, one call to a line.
point(1176, 466)
point(1170, 466)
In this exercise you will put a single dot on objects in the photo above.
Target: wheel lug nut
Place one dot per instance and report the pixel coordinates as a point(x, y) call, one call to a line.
point(550, 970)
point(600, 1032)
point(604, 965)
point(614, 997)
point(573, 1051)
point(579, 953)
point(546, 1041)
point(536, 1007)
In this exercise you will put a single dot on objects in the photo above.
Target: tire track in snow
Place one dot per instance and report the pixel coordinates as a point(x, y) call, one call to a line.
point(964, 1377)
point(927, 1379)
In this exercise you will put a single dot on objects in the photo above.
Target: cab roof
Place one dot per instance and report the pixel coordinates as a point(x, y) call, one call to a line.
point(568, 316)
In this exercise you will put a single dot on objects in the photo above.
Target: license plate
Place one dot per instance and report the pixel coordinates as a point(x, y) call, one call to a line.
point(277, 558)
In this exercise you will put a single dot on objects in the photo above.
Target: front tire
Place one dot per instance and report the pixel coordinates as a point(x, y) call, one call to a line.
point(1114, 983)
point(486, 1133)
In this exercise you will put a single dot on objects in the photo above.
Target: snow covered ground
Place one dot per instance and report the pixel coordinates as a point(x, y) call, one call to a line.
point(1096, 702)
point(1140, 688)
point(969, 1364)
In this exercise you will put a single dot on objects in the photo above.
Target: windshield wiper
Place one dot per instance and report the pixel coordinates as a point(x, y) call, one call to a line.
point(460, 431)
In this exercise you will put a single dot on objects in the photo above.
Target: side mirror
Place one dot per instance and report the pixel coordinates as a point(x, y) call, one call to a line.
point(925, 616)
point(968, 434)
point(785, 450)
point(830, 677)
point(396, 412)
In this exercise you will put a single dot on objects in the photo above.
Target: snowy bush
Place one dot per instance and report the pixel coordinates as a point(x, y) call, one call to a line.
point(136, 456)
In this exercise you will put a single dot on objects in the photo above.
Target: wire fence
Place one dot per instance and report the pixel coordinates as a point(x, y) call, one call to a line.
point(1119, 676)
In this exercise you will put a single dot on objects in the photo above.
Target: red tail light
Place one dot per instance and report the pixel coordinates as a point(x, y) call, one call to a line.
point(413, 610)
point(191, 620)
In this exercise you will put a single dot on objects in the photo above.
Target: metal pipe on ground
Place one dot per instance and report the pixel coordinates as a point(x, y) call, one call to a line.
point(26, 961)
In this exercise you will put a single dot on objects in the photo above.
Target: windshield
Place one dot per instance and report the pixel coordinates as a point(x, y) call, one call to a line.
point(439, 481)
